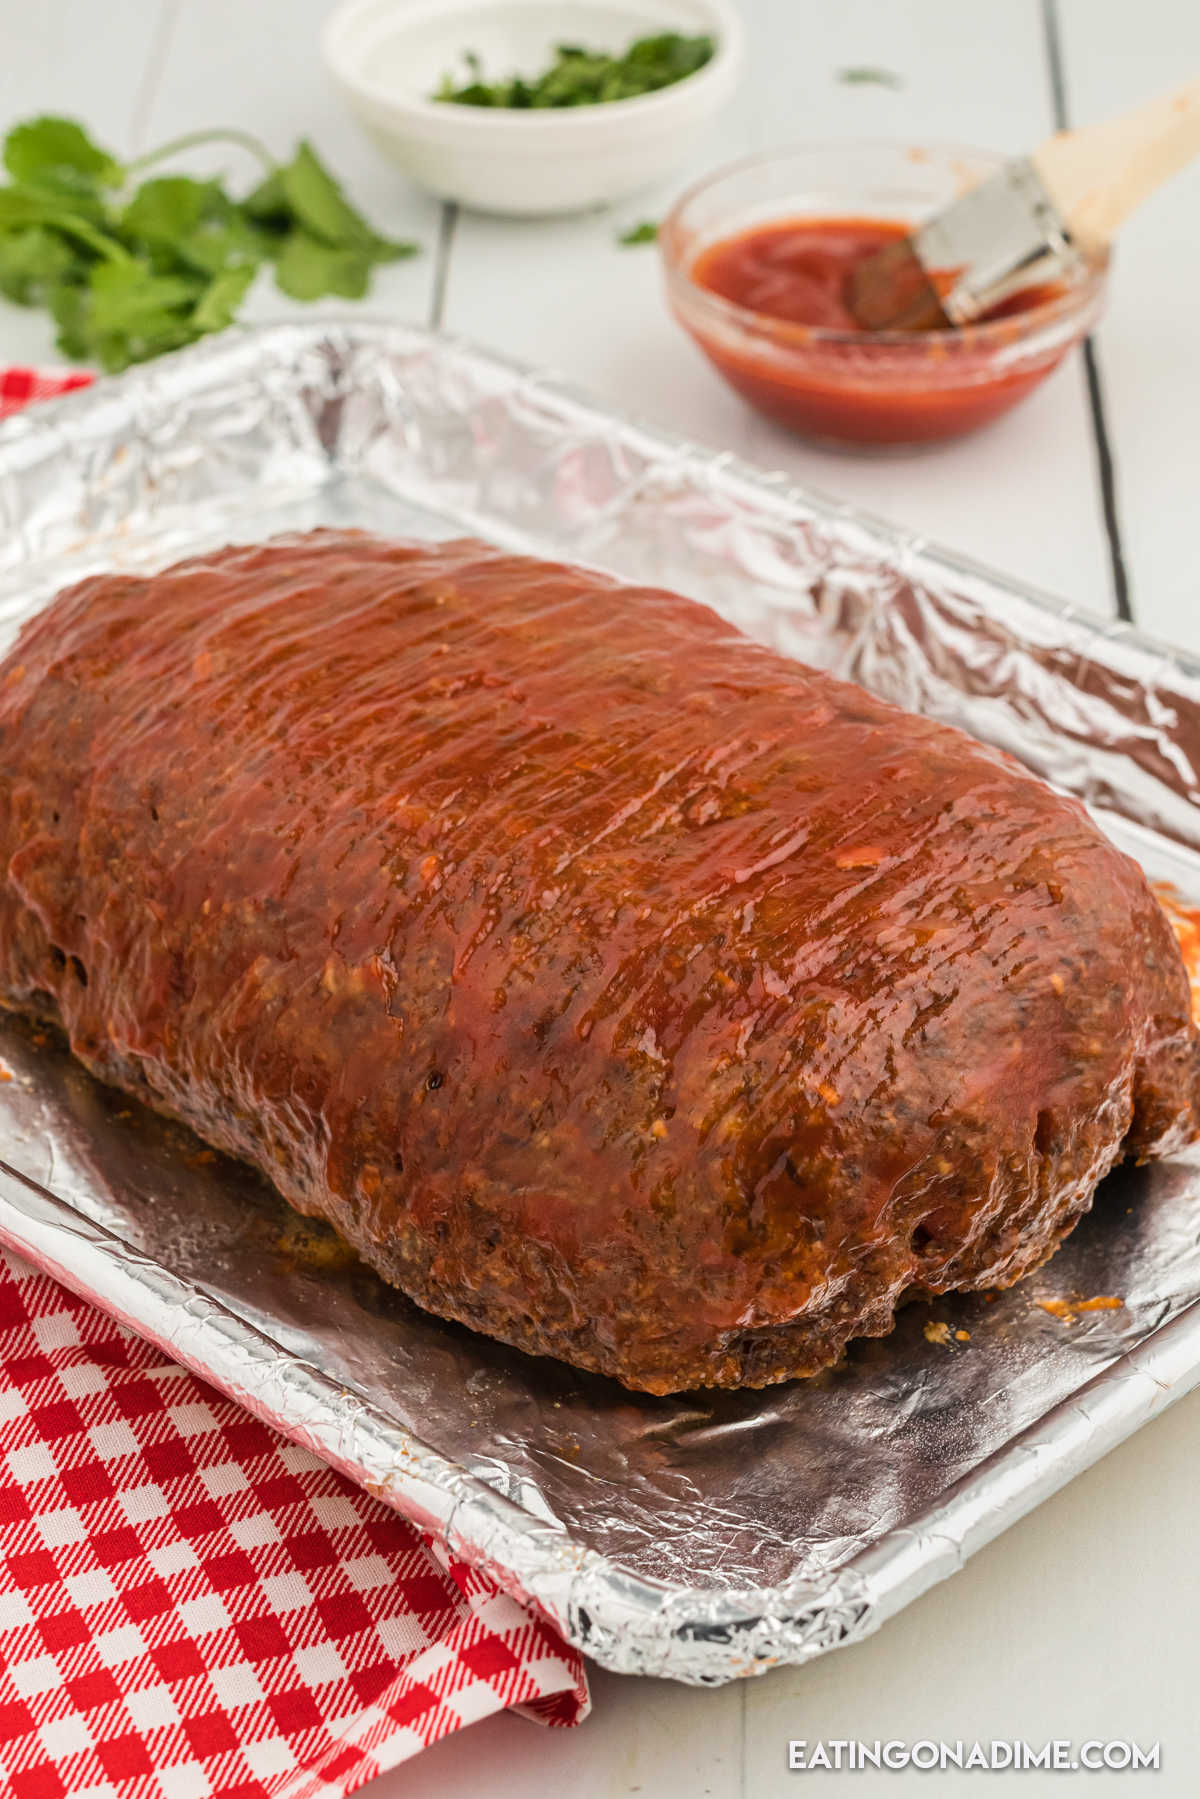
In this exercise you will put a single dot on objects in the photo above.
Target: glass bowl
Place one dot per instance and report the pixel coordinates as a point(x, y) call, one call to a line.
point(866, 389)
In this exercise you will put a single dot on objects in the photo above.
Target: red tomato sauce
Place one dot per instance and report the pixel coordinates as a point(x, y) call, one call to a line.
point(792, 273)
point(1185, 922)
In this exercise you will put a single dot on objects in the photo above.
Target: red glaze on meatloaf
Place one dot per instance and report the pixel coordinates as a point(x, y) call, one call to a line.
point(616, 986)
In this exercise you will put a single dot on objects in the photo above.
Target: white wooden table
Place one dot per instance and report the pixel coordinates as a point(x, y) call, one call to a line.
point(1082, 1621)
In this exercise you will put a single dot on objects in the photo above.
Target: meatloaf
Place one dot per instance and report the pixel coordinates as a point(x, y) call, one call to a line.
point(616, 986)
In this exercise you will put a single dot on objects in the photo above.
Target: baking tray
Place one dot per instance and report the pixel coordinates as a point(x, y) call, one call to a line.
point(702, 1537)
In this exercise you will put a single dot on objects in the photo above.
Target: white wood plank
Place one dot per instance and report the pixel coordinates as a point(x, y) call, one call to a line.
point(1148, 346)
point(257, 64)
point(91, 63)
point(560, 292)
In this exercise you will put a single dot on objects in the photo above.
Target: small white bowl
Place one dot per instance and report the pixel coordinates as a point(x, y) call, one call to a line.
point(388, 56)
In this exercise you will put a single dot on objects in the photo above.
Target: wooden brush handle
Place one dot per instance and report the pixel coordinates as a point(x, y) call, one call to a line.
point(1096, 176)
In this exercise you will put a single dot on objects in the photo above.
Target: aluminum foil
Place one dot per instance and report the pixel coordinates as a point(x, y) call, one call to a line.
point(702, 1537)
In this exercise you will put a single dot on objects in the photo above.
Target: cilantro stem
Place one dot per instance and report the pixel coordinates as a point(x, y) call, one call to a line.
point(192, 139)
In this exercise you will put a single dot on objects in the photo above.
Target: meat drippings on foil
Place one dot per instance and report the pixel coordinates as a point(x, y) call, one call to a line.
point(1068, 1310)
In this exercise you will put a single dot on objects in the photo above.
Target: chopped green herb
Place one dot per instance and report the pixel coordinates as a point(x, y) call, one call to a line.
point(129, 271)
point(581, 77)
point(645, 233)
point(870, 78)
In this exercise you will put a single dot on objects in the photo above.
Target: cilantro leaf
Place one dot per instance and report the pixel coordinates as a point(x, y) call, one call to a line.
point(68, 308)
point(218, 304)
point(319, 206)
point(308, 269)
point(32, 262)
point(30, 206)
point(268, 204)
point(191, 222)
point(131, 298)
point(58, 154)
point(318, 203)
point(321, 245)
point(124, 313)
point(645, 233)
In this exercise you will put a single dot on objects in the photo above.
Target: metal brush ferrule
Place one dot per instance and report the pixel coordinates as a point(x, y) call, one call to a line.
point(1002, 236)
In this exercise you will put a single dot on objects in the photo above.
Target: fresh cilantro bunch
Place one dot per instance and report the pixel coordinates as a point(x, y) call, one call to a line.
point(579, 77)
point(132, 267)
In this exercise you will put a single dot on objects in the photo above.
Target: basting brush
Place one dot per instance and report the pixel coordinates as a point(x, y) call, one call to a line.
point(1031, 223)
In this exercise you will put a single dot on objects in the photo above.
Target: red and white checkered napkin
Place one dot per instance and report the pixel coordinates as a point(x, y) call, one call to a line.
point(19, 387)
point(189, 1604)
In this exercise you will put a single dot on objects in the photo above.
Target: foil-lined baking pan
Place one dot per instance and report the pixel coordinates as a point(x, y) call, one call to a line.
point(702, 1537)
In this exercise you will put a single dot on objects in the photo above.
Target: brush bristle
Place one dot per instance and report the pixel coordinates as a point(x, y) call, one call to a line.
point(890, 291)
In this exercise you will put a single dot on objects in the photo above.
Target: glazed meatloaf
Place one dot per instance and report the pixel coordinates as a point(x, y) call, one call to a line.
point(614, 985)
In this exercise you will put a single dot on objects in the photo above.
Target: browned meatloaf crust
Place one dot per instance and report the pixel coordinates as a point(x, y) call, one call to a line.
point(613, 984)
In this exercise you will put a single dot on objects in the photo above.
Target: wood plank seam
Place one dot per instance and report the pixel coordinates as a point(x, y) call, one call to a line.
point(146, 91)
point(443, 250)
point(1106, 470)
